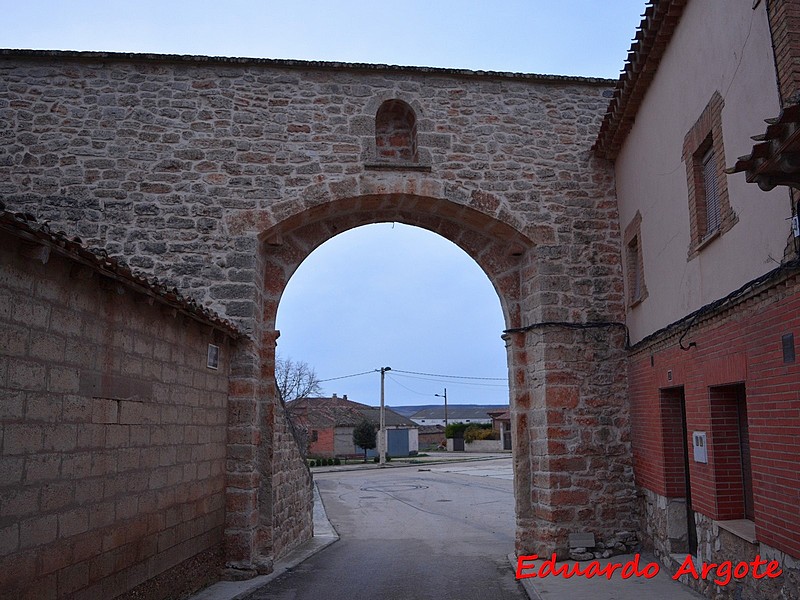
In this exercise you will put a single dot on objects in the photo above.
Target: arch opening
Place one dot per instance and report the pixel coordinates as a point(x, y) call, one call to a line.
point(396, 132)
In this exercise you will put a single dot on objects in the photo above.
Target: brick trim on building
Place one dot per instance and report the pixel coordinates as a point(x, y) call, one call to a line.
point(706, 134)
point(634, 262)
point(784, 24)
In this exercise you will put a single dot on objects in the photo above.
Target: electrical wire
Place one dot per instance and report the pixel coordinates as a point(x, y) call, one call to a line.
point(451, 376)
point(407, 388)
point(451, 382)
point(468, 380)
point(346, 376)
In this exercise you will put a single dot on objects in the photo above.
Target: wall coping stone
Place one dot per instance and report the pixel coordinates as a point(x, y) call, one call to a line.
point(294, 64)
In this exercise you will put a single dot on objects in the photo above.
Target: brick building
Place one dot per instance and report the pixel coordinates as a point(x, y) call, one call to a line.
point(712, 282)
point(328, 425)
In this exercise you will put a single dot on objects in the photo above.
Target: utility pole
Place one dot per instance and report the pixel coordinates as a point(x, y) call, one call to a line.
point(382, 430)
point(445, 405)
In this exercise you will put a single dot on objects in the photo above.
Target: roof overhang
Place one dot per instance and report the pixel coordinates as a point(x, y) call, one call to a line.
point(775, 159)
point(653, 36)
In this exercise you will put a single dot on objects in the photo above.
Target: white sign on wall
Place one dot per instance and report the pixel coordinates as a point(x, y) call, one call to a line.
point(700, 447)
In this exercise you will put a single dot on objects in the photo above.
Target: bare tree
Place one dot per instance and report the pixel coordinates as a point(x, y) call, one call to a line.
point(296, 379)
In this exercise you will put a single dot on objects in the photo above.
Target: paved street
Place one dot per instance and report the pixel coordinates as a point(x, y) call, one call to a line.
point(439, 531)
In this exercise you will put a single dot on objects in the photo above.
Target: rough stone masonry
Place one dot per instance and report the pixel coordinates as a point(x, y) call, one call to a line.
point(221, 175)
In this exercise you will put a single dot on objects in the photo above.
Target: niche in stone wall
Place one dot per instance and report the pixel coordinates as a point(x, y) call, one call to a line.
point(396, 133)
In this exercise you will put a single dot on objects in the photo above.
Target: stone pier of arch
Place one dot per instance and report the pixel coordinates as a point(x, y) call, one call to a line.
point(221, 175)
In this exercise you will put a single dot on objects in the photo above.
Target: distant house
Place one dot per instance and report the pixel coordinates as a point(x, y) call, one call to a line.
point(463, 413)
point(328, 424)
point(431, 436)
point(501, 421)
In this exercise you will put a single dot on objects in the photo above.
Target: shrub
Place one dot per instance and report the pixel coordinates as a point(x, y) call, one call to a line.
point(312, 463)
point(337, 461)
point(455, 429)
point(376, 459)
point(480, 431)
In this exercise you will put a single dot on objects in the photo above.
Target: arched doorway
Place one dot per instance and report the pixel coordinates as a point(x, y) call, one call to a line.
point(566, 385)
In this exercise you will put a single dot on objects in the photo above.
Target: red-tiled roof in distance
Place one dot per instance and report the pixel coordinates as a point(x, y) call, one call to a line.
point(652, 38)
point(500, 415)
point(341, 412)
point(775, 159)
point(26, 227)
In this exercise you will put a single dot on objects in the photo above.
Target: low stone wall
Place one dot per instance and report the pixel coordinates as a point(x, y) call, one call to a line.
point(293, 497)
point(113, 435)
point(484, 446)
point(664, 530)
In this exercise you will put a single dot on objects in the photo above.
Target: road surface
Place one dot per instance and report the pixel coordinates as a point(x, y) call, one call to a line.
point(432, 533)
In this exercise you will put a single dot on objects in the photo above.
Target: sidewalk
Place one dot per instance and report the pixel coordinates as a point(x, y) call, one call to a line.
point(324, 536)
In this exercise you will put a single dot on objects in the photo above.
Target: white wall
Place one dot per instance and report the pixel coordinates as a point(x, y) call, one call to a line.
point(724, 47)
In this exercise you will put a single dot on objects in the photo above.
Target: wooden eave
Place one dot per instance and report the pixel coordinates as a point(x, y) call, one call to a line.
point(775, 159)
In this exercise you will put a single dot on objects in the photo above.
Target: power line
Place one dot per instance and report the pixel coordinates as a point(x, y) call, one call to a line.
point(494, 385)
point(431, 377)
point(408, 388)
point(452, 376)
point(346, 376)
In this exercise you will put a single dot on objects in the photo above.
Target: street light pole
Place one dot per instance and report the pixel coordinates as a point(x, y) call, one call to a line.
point(445, 405)
point(382, 430)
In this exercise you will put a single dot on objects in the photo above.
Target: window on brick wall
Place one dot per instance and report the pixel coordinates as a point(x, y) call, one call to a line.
point(710, 213)
point(710, 199)
point(730, 447)
point(634, 262)
point(314, 435)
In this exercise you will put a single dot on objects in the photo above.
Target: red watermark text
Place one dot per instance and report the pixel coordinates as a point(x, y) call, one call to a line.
point(529, 566)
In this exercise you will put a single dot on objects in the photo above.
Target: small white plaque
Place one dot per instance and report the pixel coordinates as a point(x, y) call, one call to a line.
point(700, 447)
point(213, 357)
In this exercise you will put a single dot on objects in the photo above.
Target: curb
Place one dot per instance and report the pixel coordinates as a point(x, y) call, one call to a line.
point(324, 536)
point(370, 466)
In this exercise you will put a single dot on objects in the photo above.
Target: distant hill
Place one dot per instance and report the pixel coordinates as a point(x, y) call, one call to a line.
point(407, 411)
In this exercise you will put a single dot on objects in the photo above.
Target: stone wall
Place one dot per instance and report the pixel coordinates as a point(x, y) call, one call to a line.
point(293, 498)
point(113, 435)
point(665, 522)
point(224, 174)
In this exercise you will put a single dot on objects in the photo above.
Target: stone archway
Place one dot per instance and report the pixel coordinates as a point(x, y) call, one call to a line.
point(567, 389)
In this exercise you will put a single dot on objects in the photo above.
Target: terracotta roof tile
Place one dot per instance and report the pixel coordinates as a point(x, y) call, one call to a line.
point(652, 38)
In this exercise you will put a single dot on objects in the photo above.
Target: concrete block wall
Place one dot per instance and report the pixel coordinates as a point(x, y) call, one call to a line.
point(113, 437)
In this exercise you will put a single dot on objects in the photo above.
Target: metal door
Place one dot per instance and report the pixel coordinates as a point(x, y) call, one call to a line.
point(398, 442)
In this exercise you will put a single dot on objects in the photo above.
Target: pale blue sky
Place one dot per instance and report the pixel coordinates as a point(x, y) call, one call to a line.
point(379, 295)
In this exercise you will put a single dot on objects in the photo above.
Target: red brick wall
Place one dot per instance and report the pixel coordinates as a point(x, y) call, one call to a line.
point(784, 22)
point(741, 345)
point(324, 444)
point(113, 437)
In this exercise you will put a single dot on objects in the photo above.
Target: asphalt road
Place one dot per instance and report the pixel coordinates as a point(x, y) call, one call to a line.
point(409, 534)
